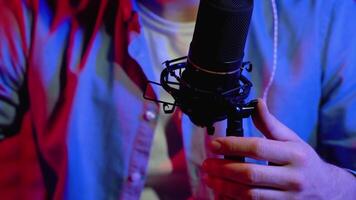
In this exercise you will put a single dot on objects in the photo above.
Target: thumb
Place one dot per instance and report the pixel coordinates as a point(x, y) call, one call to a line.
point(271, 127)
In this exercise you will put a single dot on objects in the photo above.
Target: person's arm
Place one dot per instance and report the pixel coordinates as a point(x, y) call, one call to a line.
point(297, 171)
point(12, 70)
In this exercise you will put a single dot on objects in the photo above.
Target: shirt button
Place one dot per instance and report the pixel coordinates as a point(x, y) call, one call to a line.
point(150, 115)
point(135, 177)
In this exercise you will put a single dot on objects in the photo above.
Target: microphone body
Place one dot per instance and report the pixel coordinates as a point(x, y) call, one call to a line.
point(215, 61)
point(210, 85)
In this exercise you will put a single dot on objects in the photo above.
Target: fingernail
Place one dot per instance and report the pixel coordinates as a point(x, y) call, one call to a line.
point(215, 146)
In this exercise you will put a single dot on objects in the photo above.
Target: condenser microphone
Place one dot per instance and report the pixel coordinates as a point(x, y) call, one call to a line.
point(209, 85)
point(215, 61)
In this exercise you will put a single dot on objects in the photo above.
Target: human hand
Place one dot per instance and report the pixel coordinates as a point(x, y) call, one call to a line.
point(297, 171)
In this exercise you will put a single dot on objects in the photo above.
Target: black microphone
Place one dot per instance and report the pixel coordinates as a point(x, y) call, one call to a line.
point(209, 85)
point(215, 59)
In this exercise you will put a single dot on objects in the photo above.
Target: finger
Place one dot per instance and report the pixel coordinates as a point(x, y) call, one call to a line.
point(257, 148)
point(238, 191)
point(271, 127)
point(252, 174)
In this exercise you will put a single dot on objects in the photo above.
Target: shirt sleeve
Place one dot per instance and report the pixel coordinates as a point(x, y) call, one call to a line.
point(337, 118)
point(12, 70)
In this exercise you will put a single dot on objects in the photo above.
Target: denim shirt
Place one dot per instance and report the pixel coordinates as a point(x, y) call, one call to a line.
point(86, 131)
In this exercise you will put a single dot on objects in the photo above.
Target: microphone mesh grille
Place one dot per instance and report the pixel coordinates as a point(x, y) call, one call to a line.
point(220, 33)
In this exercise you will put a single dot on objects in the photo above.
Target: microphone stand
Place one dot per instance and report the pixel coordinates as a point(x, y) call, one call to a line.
point(235, 124)
point(234, 128)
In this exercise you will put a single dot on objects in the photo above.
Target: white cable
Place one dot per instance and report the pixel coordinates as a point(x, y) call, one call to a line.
point(275, 50)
